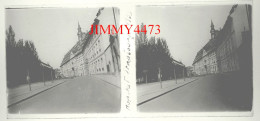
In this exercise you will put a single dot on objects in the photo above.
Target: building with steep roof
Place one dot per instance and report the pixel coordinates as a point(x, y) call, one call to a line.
point(205, 61)
point(101, 51)
point(234, 50)
point(94, 53)
point(73, 62)
point(230, 49)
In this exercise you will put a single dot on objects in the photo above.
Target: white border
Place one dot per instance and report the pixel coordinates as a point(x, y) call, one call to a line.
point(125, 6)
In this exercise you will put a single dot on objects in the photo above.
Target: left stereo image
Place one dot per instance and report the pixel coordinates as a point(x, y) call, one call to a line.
point(54, 65)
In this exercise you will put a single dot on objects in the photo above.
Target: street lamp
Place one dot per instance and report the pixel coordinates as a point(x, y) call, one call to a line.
point(174, 72)
point(145, 72)
point(159, 76)
point(43, 75)
point(183, 73)
point(51, 75)
point(28, 80)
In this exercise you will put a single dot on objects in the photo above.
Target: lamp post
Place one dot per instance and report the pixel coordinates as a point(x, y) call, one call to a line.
point(43, 75)
point(28, 80)
point(145, 72)
point(51, 75)
point(183, 73)
point(174, 72)
point(159, 76)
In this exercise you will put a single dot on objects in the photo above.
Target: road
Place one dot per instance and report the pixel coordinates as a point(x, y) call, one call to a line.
point(79, 95)
point(209, 93)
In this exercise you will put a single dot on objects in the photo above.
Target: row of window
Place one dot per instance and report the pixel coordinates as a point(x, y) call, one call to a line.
point(226, 48)
point(97, 66)
point(203, 70)
point(229, 64)
point(95, 50)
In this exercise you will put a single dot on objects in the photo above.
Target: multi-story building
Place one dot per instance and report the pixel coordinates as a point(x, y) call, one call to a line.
point(234, 43)
point(231, 48)
point(189, 71)
point(101, 51)
point(205, 61)
point(73, 63)
point(95, 53)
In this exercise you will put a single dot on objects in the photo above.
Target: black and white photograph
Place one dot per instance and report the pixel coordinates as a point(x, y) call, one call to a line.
point(58, 62)
point(200, 59)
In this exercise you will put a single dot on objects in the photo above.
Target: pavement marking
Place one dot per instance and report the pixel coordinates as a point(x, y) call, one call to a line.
point(164, 93)
point(33, 95)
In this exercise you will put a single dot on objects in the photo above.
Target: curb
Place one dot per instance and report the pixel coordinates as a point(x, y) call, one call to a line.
point(164, 93)
point(106, 82)
point(33, 95)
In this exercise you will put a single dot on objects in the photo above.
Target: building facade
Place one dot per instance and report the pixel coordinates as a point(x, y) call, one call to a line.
point(230, 49)
point(95, 53)
point(73, 63)
point(101, 52)
point(205, 61)
point(234, 50)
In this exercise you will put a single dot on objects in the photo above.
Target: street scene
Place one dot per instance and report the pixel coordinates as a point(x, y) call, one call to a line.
point(200, 62)
point(54, 65)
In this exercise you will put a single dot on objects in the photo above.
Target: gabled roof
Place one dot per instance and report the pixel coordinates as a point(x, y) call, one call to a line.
point(198, 56)
point(80, 45)
point(178, 62)
point(209, 47)
point(74, 51)
point(221, 36)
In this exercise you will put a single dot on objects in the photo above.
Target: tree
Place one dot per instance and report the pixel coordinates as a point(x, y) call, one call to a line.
point(21, 59)
point(11, 54)
point(152, 56)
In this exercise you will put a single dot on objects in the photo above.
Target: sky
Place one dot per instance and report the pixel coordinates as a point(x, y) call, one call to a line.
point(53, 30)
point(185, 28)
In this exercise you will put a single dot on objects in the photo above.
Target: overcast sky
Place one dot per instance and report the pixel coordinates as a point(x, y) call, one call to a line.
point(53, 31)
point(185, 28)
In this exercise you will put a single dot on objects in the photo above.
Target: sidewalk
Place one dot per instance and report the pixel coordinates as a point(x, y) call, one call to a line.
point(22, 92)
point(147, 92)
point(113, 79)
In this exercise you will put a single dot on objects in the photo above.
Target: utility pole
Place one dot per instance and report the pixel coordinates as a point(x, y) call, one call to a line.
point(175, 73)
point(183, 73)
point(145, 72)
point(159, 77)
point(43, 75)
point(29, 80)
point(51, 76)
point(146, 78)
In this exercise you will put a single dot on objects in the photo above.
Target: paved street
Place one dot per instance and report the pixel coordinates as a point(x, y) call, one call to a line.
point(146, 92)
point(78, 95)
point(209, 93)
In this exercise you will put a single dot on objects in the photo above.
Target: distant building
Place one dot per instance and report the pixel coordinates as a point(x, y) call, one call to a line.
point(205, 61)
point(48, 72)
point(57, 73)
point(189, 71)
point(95, 53)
